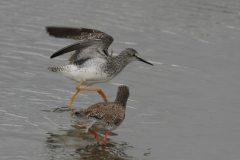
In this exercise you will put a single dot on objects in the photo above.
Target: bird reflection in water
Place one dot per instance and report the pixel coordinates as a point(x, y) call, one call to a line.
point(78, 144)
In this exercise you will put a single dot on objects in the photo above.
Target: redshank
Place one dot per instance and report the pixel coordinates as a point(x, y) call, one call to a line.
point(105, 116)
point(91, 62)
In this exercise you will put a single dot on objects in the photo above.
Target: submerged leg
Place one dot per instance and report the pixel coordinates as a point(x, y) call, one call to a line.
point(86, 89)
point(94, 133)
point(105, 138)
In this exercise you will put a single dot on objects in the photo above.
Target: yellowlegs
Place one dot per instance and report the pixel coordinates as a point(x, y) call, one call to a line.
point(91, 62)
point(105, 115)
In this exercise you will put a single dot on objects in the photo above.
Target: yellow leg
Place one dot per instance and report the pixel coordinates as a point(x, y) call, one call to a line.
point(98, 90)
point(86, 89)
point(71, 99)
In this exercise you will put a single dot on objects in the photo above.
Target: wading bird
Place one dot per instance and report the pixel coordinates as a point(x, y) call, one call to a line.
point(91, 62)
point(105, 116)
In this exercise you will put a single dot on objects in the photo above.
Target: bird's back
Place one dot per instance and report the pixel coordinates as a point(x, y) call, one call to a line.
point(103, 115)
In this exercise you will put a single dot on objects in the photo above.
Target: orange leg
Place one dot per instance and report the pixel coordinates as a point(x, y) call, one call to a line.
point(86, 89)
point(98, 90)
point(71, 99)
point(105, 138)
point(94, 133)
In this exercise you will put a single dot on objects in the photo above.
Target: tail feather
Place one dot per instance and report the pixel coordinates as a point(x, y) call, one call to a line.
point(55, 69)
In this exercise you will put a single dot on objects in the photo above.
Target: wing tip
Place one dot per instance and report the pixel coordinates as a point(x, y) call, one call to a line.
point(48, 28)
point(52, 56)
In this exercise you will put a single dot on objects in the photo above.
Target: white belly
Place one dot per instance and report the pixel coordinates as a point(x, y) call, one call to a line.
point(90, 74)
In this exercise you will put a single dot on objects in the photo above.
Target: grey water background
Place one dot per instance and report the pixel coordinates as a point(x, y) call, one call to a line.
point(184, 107)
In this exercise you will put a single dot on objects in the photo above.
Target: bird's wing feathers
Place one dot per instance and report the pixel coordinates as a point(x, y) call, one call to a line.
point(83, 51)
point(77, 33)
point(72, 47)
point(113, 113)
point(90, 41)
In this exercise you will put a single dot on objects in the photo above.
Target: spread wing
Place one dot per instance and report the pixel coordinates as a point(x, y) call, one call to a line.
point(92, 43)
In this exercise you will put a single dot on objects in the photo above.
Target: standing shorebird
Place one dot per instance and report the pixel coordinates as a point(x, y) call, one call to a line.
point(105, 115)
point(91, 62)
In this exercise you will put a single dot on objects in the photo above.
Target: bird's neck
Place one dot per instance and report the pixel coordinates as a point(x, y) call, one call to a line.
point(116, 64)
point(121, 99)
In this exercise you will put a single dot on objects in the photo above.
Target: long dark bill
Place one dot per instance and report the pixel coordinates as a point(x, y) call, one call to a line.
point(140, 59)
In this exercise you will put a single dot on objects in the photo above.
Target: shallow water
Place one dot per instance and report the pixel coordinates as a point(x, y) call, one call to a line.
point(184, 107)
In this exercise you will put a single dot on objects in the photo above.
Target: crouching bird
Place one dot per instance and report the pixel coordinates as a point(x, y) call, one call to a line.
point(105, 116)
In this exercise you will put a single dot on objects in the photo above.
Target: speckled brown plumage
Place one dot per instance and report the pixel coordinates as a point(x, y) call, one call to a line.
point(110, 113)
point(105, 115)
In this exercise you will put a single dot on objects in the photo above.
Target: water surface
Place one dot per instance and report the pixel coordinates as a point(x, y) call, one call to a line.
point(184, 107)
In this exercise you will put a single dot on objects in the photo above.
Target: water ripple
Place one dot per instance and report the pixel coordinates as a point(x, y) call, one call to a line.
point(10, 114)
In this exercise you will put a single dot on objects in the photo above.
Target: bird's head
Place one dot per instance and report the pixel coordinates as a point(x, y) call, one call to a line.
point(132, 55)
